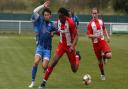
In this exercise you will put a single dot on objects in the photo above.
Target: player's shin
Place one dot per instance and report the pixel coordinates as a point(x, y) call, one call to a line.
point(34, 71)
point(77, 60)
point(101, 66)
point(75, 64)
point(46, 76)
point(78, 57)
point(104, 59)
point(48, 72)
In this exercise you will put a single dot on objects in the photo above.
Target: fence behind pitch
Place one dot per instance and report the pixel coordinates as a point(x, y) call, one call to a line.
point(20, 26)
point(16, 26)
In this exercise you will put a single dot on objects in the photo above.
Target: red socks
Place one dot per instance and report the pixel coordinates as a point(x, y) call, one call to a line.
point(48, 72)
point(101, 66)
point(77, 60)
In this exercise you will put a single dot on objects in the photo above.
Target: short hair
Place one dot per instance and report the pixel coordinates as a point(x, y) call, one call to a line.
point(95, 8)
point(64, 11)
point(46, 10)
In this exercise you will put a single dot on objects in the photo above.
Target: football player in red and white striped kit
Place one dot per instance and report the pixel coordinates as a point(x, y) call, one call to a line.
point(96, 30)
point(68, 39)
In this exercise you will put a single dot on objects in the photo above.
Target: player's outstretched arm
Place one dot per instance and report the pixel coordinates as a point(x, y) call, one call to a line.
point(37, 9)
point(45, 5)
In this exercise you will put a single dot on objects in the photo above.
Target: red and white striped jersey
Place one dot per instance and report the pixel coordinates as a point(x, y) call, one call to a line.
point(67, 31)
point(96, 27)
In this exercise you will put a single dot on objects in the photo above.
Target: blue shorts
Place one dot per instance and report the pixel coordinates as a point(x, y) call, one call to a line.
point(43, 53)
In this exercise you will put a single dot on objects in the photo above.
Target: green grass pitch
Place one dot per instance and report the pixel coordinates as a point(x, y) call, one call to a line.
point(16, 58)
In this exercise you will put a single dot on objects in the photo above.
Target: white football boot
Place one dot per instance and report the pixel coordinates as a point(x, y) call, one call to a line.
point(32, 84)
point(102, 77)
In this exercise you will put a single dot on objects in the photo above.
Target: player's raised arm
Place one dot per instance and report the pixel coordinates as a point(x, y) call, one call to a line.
point(37, 9)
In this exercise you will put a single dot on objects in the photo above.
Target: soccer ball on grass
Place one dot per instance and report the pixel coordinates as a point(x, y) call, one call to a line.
point(87, 79)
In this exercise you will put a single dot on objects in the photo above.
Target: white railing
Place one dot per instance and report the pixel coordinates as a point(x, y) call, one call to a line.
point(21, 25)
point(18, 25)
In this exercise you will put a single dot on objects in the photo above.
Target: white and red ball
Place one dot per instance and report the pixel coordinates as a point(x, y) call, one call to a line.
point(87, 79)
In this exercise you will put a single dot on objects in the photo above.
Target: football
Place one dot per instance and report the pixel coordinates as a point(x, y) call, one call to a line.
point(87, 79)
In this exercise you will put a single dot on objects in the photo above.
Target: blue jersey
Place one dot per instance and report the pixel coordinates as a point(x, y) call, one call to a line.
point(76, 20)
point(43, 30)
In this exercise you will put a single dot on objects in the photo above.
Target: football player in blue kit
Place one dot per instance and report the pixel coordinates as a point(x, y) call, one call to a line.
point(44, 29)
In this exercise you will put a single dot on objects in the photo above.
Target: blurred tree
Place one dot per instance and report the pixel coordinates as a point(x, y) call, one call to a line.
point(41, 1)
point(98, 3)
point(80, 6)
point(35, 3)
point(120, 5)
point(12, 5)
point(88, 3)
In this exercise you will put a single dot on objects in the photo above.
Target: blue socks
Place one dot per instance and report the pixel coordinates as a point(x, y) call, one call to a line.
point(34, 70)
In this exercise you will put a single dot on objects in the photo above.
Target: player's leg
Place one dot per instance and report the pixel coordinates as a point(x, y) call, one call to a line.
point(101, 65)
point(108, 55)
point(100, 61)
point(46, 58)
point(59, 52)
point(105, 56)
point(74, 60)
point(37, 59)
point(34, 69)
point(106, 51)
point(49, 71)
point(45, 64)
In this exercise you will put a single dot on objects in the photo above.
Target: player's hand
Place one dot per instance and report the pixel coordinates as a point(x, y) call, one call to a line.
point(96, 36)
point(46, 4)
point(108, 40)
point(52, 33)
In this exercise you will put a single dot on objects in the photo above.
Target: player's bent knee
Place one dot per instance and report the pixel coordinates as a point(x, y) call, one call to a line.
point(108, 55)
point(45, 67)
point(36, 62)
point(45, 63)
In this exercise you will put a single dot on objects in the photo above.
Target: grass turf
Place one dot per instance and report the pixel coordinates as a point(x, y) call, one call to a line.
point(16, 58)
